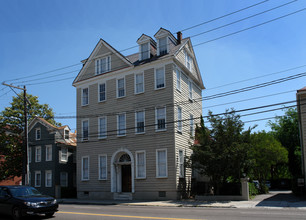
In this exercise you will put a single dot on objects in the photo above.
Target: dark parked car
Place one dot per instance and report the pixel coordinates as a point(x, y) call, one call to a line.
point(19, 201)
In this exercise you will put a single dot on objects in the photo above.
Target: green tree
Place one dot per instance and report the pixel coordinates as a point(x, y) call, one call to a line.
point(286, 130)
point(266, 154)
point(222, 151)
point(11, 127)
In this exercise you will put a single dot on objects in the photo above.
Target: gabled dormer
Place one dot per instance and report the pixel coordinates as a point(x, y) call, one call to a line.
point(165, 41)
point(147, 47)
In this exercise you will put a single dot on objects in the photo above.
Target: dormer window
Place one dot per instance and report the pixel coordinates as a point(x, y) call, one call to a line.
point(162, 46)
point(144, 51)
point(67, 134)
point(103, 65)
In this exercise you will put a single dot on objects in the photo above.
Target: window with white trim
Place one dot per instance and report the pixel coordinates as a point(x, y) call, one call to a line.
point(188, 60)
point(181, 163)
point(64, 179)
point(102, 92)
point(162, 46)
point(144, 51)
point(120, 88)
point(140, 164)
point(179, 119)
point(85, 130)
point(48, 178)
point(49, 153)
point(103, 65)
point(190, 89)
point(37, 134)
point(37, 179)
point(67, 134)
point(160, 121)
point(38, 154)
point(160, 78)
point(161, 163)
point(64, 154)
point(178, 79)
point(102, 167)
point(191, 122)
point(85, 168)
point(140, 122)
point(85, 97)
point(139, 83)
point(102, 127)
point(121, 125)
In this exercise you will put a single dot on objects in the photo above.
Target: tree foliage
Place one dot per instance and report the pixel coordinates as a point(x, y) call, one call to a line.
point(222, 151)
point(286, 130)
point(11, 127)
point(266, 154)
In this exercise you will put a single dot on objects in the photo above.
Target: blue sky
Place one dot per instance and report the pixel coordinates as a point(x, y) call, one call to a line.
point(40, 36)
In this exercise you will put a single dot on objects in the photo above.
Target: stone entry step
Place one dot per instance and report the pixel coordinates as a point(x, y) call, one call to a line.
point(123, 196)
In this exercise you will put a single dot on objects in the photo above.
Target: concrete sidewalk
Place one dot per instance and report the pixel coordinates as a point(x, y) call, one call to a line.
point(273, 200)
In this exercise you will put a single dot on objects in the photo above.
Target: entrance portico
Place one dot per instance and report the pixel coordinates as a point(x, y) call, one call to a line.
point(122, 172)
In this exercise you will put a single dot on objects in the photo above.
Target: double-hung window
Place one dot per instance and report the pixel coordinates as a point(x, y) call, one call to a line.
point(181, 163)
point(190, 89)
point(48, 178)
point(102, 167)
point(67, 134)
point(191, 125)
point(49, 153)
point(120, 88)
point(85, 97)
point(102, 92)
point(37, 134)
point(38, 154)
point(64, 154)
point(121, 125)
point(188, 60)
point(103, 65)
point(139, 83)
point(64, 179)
point(162, 46)
point(160, 118)
point(37, 179)
point(161, 163)
point(85, 168)
point(102, 127)
point(179, 119)
point(140, 164)
point(178, 79)
point(144, 51)
point(140, 122)
point(85, 130)
point(160, 78)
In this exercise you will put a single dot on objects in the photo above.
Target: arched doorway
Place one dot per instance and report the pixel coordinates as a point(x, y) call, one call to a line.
point(126, 174)
point(122, 179)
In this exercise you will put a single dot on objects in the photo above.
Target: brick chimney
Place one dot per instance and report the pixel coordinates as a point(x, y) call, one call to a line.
point(179, 37)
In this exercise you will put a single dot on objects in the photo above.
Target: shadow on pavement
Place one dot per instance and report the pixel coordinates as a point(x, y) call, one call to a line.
point(282, 199)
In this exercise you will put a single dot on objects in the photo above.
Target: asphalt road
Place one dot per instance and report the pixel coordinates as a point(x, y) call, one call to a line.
point(119, 212)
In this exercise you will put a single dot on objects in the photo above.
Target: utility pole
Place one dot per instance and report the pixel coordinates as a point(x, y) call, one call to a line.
point(25, 164)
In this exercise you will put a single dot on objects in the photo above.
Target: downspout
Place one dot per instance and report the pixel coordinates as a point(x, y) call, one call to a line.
point(301, 136)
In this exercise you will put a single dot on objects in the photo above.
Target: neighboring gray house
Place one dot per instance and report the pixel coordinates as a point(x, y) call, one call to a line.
point(136, 117)
point(301, 107)
point(51, 155)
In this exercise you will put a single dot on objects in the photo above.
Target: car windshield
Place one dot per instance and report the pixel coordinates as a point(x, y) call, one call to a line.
point(24, 192)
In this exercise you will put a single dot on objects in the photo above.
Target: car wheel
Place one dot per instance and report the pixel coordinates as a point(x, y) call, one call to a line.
point(49, 215)
point(16, 213)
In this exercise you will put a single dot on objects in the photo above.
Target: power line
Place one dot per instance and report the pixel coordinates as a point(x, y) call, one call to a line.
point(194, 45)
point(223, 16)
point(243, 19)
point(254, 26)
